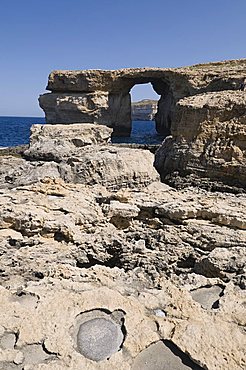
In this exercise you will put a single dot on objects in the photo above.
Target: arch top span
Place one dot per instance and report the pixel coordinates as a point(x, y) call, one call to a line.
point(114, 81)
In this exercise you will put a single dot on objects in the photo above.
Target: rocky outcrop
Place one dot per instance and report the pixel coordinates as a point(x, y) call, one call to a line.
point(57, 142)
point(208, 138)
point(144, 110)
point(96, 278)
point(97, 107)
point(102, 97)
point(215, 76)
point(102, 266)
point(201, 112)
point(82, 155)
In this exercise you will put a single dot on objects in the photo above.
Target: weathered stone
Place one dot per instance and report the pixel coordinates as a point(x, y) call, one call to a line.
point(57, 142)
point(208, 135)
point(125, 210)
point(213, 76)
point(7, 341)
point(16, 171)
point(63, 234)
point(34, 354)
point(57, 213)
point(186, 325)
point(99, 108)
point(113, 167)
point(200, 107)
point(101, 96)
point(121, 276)
point(208, 297)
point(223, 262)
point(81, 162)
point(159, 357)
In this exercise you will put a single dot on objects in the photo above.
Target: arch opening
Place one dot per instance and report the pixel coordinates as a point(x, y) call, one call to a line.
point(150, 107)
point(143, 110)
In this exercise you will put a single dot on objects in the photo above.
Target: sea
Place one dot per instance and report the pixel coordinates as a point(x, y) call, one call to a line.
point(16, 131)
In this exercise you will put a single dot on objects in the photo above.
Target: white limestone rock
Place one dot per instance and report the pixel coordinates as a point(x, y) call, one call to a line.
point(57, 142)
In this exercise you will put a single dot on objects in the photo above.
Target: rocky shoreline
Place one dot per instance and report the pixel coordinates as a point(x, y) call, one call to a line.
point(105, 266)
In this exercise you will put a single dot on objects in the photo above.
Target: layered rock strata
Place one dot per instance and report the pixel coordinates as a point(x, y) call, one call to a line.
point(148, 273)
point(69, 150)
point(201, 111)
point(95, 276)
point(208, 138)
point(102, 96)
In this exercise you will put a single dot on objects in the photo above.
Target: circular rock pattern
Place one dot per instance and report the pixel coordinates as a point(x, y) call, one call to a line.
point(99, 338)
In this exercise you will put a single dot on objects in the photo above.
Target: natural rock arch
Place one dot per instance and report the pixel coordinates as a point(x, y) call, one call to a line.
point(201, 108)
point(163, 116)
point(103, 97)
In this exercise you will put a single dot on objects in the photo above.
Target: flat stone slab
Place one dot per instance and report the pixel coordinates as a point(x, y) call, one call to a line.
point(159, 357)
point(207, 296)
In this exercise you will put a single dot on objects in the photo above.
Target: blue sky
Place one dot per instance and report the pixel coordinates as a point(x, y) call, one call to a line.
point(37, 37)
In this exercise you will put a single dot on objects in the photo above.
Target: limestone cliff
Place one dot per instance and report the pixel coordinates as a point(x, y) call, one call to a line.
point(208, 138)
point(144, 110)
point(102, 96)
point(200, 110)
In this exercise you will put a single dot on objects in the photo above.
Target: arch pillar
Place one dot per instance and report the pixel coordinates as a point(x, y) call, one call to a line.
point(120, 111)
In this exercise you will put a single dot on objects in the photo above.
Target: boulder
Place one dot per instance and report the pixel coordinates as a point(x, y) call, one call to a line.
point(57, 142)
point(82, 156)
point(113, 167)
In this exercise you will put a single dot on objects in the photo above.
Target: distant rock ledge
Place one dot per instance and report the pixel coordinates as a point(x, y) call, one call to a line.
point(144, 110)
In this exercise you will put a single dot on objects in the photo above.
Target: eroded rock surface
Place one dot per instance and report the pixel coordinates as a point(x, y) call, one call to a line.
point(200, 334)
point(102, 266)
point(78, 154)
point(102, 96)
point(208, 138)
point(201, 112)
point(56, 237)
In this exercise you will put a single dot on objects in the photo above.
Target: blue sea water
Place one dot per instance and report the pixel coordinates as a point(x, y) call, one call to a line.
point(16, 131)
point(143, 132)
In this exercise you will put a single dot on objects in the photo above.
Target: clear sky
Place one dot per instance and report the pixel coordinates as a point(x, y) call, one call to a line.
point(38, 36)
